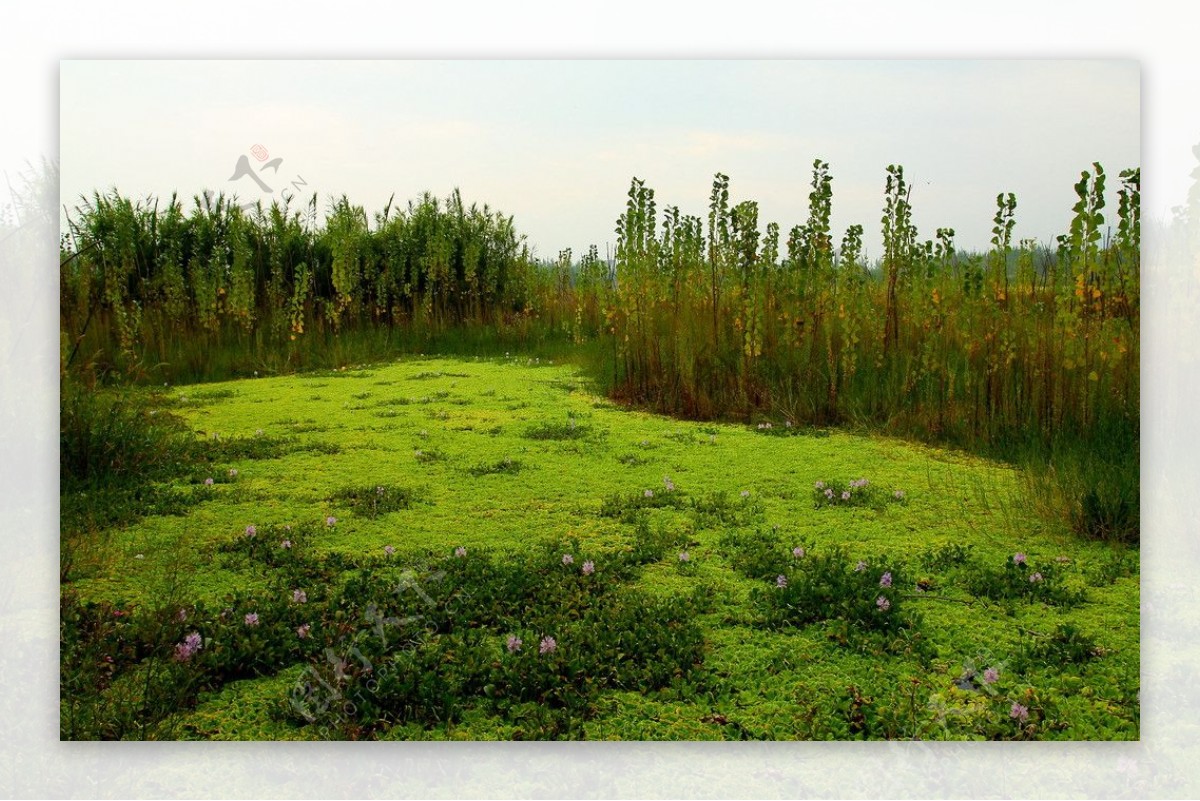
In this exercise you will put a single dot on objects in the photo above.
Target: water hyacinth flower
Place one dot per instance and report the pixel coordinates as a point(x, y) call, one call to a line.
point(898, 495)
point(331, 521)
point(860, 566)
point(232, 472)
point(885, 580)
point(208, 482)
point(648, 494)
point(1035, 578)
point(285, 544)
point(460, 552)
point(1018, 712)
point(670, 485)
point(251, 618)
point(568, 559)
point(883, 603)
point(299, 597)
point(819, 485)
point(1018, 558)
point(513, 643)
point(190, 645)
point(846, 495)
point(251, 531)
point(181, 615)
point(684, 557)
point(991, 676)
point(389, 549)
point(781, 581)
point(745, 493)
point(548, 645)
point(302, 631)
point(829, 494)
point(798, 552)
point(589, 567)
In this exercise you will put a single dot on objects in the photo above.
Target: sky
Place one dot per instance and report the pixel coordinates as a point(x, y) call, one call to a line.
point(556, 143)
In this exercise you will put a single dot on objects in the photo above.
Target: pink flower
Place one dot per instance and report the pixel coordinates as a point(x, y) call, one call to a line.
point(548, 645)
point(302, 631)
point(781, 581)
point(684, 557)
point(232, 473)
point(846, 495)
point(885, 580)
point(860, 566)
point(208, 482)
point(568, 559)
point(991, 676)
point(389, 550)
point(460, 552)
point(1035, 578)
point(513, 644)
point(190, 645)
point(1018, 558)
point(285, 544)
point(331, 521)
point(252, 618)
point(299, 597)
point(829, 493)
point(819, 485)
point(251, 531)
point(1018, 712)
point(648, 494)
point(589, 567)
point(745, 493)
point(798, 552)
point(883, 603)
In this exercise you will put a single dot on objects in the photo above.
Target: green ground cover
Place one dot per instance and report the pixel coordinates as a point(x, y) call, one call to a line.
point(699, 581)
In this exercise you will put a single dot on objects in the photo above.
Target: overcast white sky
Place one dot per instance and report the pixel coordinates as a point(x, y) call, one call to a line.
point(555, 143)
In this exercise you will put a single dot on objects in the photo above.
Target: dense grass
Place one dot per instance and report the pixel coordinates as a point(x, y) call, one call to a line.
point(1025, 352)
point(679, 629)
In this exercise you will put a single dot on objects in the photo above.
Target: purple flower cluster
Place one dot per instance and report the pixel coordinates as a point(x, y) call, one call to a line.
point(1019, 712)
point(568, 559)
point(513, 643)
point(589, 567)
point(302, 631)
point(548, 645)
point(883, 603)
point(331, 521)
point(460, 552)
point(684, 557)
point(798, 552)
point(991, 676)
point(781, 581)
point(251, 618)
point(1018, 558)
point(885, 580)
point(190, 645)
point(859, 484)
point(670, 485)
point(251, 531)
point(299, 597)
